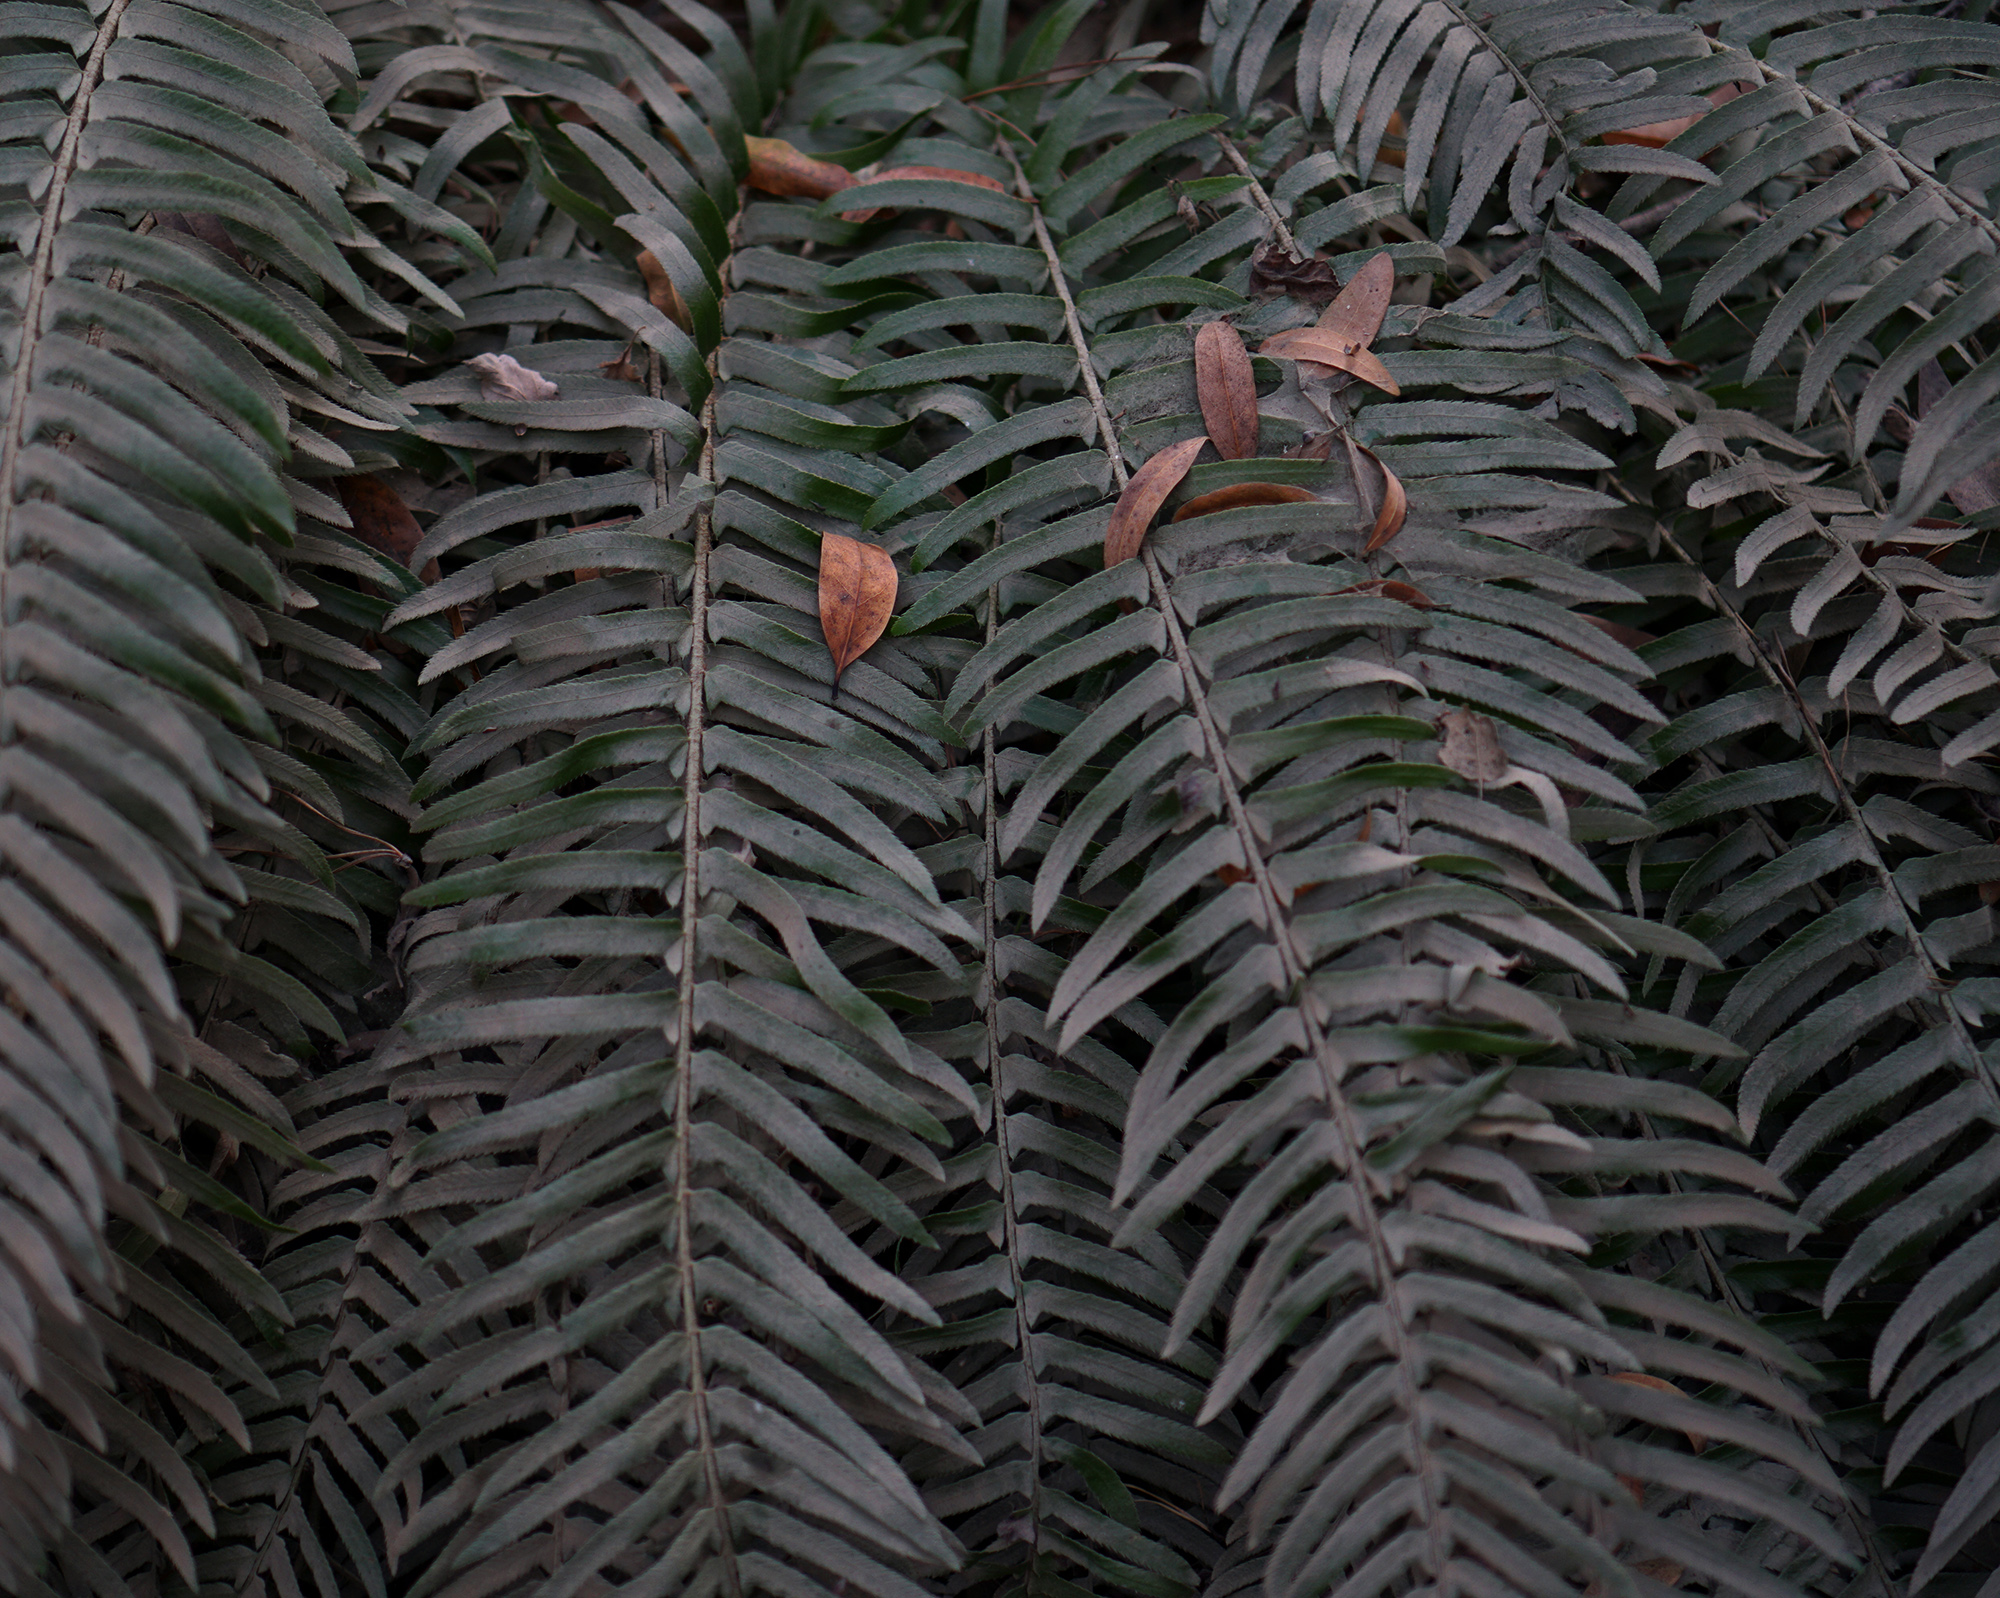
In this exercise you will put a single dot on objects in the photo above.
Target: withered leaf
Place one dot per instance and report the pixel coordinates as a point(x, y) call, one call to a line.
point(501, 377)
point(660, 290)
point(1660, 1384)
point(857, 596)
point(1240, 495)
point(1143, 496)
point(1329, 349)
point(1394, 510)
point(1469, 744)
point(382, 521)
point(1402, 593)
point(1979, 489)
point(1657, 135)
point(1358, 310)
point(1276, 270)
point(1618, 632)
point(1227, 390)
point(777, 167)
point(948, 174)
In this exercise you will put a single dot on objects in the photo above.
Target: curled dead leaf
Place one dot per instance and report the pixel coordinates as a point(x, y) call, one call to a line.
point(501, 377)
point(857, 596)
point(1402, 593)
point(1656, 135)
point(1469, 744)
point(1358, 310)
point(1667, 1572)
point(1276, 270)
point(777, 167)
point(1659, 1384)
point(1240, 495)
point(1143, 496)
point(1326, 349)
point(1226, 389)
point(382, 521)
point(948, 174)
point(1394, 509)
point(660, 290)
point(1630, 637)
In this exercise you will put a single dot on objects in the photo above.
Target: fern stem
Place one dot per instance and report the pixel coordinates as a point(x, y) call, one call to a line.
point(1967, 1054)
point(683, 1108)
point(1263, 200)
point(40, 274)
point(1297, 972)
point(1871, 141)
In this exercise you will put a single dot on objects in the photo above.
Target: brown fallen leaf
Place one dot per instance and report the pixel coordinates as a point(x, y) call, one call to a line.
point(1325, 349)
point(1276, 270)
point(1656, 135)
point(1667, 1572)
point(1312, 449)
point(382, 521)
point(660, 290)
point(584, 574)
point(1666, 363)
point(1469, 744)
point(620, 368)
point(1630, 637)
point(1402, 593)
point(1395, 507)
point(200, 225)
point(782, 169)
point(1358, 310)
point(1227, 390)
point(948, 174)
point(857, 596)
point(1241, 495)
point(1143, 496)
point(1659, 1384)
point(501, 377)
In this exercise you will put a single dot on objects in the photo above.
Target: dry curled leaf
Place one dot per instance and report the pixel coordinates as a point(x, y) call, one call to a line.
point(1402, 593)
point(1276, 270)
point(1659, 1384)
point(382, 521)
point(1630, 637)
point(948, 174)
point(660, 290)
point(1143, 496)
point(1657, 135)
point(1469, 744)
point(1358, 310)
point(782, 169)
point(501, 377)
point(1240, 495)
point(1226, 389)
point(1394, 509)
point(1329, 349)
point(857, 596)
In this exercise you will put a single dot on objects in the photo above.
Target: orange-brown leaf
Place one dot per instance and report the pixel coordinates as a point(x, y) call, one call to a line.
point(1240, 495)
point(1402, 593)
point(1357, 311)
point(381, 520)
point(779, 168)
point(857, 596)
point(1143, 496)
point(1656, 135)
point(1330, 349)
point(661, 291)
point(1227, 390)
point(1395, 508)
point(949, 174)
point(1630, 637)
point(1660, 1384)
